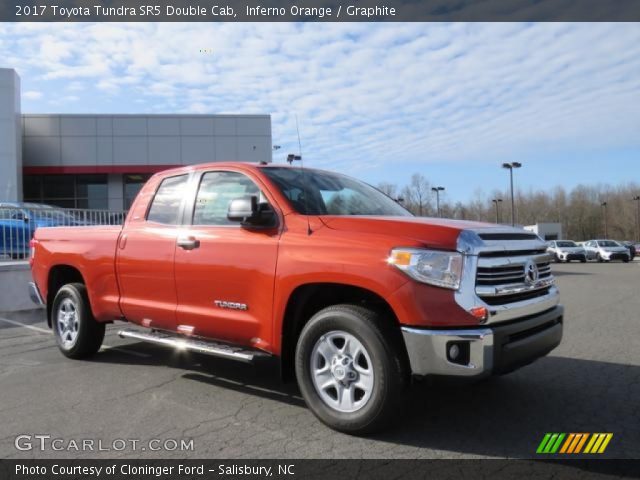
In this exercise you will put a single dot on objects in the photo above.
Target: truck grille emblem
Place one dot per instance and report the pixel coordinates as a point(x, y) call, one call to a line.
point(531, 273)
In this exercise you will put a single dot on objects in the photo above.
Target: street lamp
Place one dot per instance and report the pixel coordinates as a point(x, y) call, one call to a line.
point(437, 190)
point(637, 200)
point(606, 226)
point(496, 201)
point(510, 167)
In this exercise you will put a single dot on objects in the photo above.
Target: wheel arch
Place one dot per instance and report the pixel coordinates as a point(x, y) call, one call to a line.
point(58, 276)
point(308, 299)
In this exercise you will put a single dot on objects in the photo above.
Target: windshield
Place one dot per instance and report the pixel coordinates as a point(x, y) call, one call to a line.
point(567, 244)
point(331, 193)
point(608, 243)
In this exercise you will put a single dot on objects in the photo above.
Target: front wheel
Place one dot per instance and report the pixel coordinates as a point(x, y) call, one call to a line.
point(349, 369)
point(77, 333)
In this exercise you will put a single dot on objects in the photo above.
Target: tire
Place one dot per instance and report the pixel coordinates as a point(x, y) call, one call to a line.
point(77, 333)
point(583, 260)
point(373, 359)
point(599, 258)
point(556, 258)
point(625, 260)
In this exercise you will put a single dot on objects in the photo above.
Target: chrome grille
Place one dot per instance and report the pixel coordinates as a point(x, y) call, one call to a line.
point(505, 275)
point(502, 279)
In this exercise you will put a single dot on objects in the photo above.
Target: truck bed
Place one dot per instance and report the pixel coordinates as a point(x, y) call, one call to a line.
point(89, 249)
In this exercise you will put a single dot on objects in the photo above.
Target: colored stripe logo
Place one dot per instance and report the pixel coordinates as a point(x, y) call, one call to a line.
point(574, 443)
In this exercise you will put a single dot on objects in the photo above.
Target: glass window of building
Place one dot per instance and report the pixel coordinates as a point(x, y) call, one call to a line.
point(67, 191)
point(132, 185)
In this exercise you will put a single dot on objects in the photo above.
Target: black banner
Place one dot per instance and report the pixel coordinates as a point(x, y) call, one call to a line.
point(319, 10)
point(314, 469)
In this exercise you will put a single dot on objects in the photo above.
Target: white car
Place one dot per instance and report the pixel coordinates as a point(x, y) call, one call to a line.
point(566, 250)
point(606, 251)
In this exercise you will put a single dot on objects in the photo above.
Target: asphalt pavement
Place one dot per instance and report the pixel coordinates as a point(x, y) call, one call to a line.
point(135, 393)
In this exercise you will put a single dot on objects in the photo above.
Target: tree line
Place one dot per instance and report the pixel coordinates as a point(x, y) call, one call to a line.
point(580, 210)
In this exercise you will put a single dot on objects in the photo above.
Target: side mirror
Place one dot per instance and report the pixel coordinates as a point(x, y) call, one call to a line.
point(250, 213)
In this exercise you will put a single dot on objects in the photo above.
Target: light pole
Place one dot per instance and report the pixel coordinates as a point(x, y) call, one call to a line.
point(437, 190)
point(496, 201)
point(606, 226)
point(510, 167)
point(637, 200)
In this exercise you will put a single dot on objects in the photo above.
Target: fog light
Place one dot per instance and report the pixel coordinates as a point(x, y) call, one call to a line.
point(458, 352)
point(454, 351)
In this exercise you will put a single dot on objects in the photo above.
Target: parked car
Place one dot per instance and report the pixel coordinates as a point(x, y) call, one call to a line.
point(349, 291)
point(606, 251)
point(15, 235)
point(41, 214)
point(633, 250)
point(566, 250)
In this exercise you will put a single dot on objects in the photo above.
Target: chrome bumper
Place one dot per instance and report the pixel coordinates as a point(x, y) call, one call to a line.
point(495, 349)
point(34, 294)
point(427, 351)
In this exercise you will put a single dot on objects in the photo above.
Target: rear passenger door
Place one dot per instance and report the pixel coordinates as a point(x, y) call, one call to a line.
point(225, 277)
point(145, 256)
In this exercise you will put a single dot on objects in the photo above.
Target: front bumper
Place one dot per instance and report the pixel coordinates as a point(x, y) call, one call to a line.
point(34, 294)
point(486, 350)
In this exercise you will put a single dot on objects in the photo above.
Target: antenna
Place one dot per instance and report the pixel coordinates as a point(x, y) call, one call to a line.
point(304, 179)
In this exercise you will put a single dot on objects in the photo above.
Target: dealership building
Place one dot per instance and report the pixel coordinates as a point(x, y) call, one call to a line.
point(101, 161)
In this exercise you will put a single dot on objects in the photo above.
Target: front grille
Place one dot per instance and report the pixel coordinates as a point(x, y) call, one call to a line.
point(501, 277)
point(516, 297)
point(509, 274)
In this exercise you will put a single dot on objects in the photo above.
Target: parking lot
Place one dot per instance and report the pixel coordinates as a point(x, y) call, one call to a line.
point(591, 383)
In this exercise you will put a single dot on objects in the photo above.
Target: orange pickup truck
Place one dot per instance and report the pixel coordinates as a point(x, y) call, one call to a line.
point(350, 292)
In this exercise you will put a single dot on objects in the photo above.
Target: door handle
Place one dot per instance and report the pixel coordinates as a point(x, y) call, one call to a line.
point(188, 243)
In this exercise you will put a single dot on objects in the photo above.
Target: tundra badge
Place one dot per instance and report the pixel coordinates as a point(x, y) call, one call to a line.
point(231, 305)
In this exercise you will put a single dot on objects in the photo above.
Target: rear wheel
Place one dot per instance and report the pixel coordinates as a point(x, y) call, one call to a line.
point(77, 333)
point(349, 369)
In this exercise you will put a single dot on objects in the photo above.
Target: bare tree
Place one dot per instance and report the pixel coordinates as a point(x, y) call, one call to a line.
point(578, 210)
point(417, 195)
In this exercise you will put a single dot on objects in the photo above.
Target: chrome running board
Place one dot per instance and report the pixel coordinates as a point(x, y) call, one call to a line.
point(180, 342)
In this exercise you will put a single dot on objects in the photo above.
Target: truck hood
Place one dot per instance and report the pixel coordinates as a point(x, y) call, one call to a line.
point(431, 232)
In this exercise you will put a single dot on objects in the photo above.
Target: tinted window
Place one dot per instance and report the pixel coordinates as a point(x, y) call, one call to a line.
point(165, 207)
point(216, 191)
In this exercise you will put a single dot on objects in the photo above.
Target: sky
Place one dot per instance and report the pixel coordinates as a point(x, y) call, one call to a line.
point(379, 101)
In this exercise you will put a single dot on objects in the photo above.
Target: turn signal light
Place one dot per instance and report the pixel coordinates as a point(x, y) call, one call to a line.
point(481, 313)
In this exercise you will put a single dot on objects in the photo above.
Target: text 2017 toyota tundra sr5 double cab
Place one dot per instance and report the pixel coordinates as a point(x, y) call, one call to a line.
point(350, 292)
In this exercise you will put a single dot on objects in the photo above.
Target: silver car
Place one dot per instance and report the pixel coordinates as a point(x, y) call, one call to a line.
point(566, 250)
point(606, 251)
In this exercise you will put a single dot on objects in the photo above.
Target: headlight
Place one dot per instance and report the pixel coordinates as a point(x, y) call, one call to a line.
point(443, 269)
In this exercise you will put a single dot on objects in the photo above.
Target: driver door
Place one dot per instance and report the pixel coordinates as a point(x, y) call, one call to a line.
point(225, 272)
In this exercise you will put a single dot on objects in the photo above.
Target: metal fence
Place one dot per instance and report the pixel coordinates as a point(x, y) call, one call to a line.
point(17, 225)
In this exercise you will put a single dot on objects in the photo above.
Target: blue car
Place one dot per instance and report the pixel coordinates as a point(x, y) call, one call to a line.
point(19, 220)
point(15, 235)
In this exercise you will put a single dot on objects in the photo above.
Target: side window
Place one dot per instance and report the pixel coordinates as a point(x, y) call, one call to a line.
point(216, 191)
point(165, 206)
